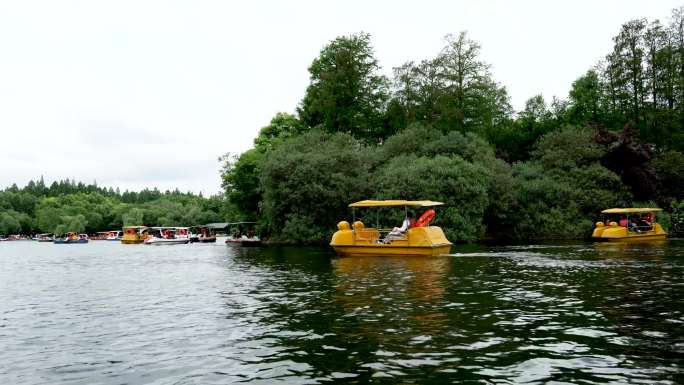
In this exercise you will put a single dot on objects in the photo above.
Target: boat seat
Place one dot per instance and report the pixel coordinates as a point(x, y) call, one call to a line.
point(361, 233)
point(366, 235)
point(396, 237)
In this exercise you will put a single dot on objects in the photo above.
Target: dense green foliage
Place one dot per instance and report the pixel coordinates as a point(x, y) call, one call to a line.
point(555, 193)
point(453, 91)
point(69, 206)
point(309, 181)
point(448, 133)
point(444, 129)
point(346, 92)
point(310, 178)
point(677, 219)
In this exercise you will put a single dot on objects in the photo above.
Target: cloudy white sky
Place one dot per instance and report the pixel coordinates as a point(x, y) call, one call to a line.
point(149, 93)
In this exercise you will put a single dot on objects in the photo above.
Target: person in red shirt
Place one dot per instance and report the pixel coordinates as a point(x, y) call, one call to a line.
point(623, 221)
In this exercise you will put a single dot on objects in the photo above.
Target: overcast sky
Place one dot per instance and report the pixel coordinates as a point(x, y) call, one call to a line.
point(149, 93)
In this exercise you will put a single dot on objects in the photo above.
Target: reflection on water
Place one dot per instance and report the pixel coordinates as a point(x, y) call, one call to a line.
point(106, 313)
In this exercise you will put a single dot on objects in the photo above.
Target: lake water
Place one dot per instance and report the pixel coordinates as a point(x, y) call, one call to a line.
point(106, 313)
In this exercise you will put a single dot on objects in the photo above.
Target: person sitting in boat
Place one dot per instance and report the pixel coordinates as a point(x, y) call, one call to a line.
point(633, 225)
point(650, 218)
point(644, 222)
point(623, 221)
point(398, 232)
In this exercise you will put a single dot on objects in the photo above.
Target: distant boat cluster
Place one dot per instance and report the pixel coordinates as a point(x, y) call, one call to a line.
point(232, 233)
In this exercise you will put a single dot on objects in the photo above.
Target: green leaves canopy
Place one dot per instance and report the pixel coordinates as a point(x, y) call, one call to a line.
point(346, 93)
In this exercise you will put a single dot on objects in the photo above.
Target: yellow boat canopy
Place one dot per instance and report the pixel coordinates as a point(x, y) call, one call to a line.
point(394, 203)
point(630, 210)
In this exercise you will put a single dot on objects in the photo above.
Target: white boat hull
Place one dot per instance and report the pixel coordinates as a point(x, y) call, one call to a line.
point(162, 241)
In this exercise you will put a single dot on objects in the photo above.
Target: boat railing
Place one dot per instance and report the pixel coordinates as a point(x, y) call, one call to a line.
point(387, 231)
point(384, 236)
point(367, 234)
point(640, 229)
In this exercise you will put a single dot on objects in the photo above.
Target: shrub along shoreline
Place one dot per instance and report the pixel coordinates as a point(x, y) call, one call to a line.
point(308, 181)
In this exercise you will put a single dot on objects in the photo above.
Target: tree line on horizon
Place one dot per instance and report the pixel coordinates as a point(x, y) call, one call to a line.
point(444, 129)
point(67, 205)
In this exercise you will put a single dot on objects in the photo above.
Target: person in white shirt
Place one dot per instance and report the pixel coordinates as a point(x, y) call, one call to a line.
point(398, 232)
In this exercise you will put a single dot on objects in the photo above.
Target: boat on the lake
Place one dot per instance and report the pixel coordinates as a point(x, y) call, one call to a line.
point(134, 234)
point(238, 235)
point(629, 225)
point(167, 236)
point(113, 235)
point(218, 231)
point(202, 234)
point(17, 237)
point(245, 240)
point(99, 236)
point(71, 238)
point(413, 238)
point(46, 237)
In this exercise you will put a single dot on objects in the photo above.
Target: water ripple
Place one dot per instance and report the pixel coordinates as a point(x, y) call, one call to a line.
point(108, 313)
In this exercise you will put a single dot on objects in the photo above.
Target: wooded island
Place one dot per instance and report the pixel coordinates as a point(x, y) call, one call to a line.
point(444, 129)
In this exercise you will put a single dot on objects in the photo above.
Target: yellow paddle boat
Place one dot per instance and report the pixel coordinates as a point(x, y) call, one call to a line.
point(134, 234)
point(413, 238)
point(629, 225)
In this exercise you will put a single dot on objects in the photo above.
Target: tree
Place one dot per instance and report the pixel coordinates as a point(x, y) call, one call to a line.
point(308, 181)
point(69, 223)
point(281, 127)
point(240, 181)
point(559, 189)
point(8, 223)
point(405, 88)
point(471, 100)
point(585, 98)
point(567, 149)
point(629, 157)
point(515, 139)
point(669, 168)
point(660, 79)
point(463, 75)
point(676, 219)
point(453, 91)
point(134, 217)
point(657, 57)
point(460, 184)
point(394, 120)
point(677, 37)
point(425, 140)
point(48, 214)
point(628, 58)
point(70, 206)
point(346, 93)
point(418, 88)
